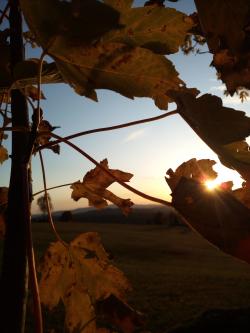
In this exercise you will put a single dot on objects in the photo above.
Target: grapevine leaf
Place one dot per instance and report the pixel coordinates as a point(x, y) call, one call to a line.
point(44, 130)
point(109, 59)
point(217, 215)
point(243, 195)
point(121, 315)
point(76, 21)
point(128, 71)
point(162, 30)
point(80, 275)
point(32, 92)
point(3, 154)
point(94, 184)
point(223, 129)
point(200, 170)
point(25, 73)
point(119, 5)
point(226, 28)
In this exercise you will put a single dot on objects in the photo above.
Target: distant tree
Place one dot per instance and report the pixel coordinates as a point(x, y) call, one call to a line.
point(41, 202)
point(66, 216)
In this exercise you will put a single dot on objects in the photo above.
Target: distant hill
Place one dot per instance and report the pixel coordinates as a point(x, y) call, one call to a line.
point(141, 214)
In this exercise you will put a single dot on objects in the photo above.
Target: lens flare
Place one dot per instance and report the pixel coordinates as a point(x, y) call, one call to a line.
point(211, 184)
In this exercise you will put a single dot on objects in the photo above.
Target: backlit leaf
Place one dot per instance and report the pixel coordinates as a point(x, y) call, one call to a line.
point(106, 56)
point(159, 29)
point(94, 184)
point(200, 170)
point(128, 71)
point(3, 154)
point(220, 127)
point(80, 275)
point(225, 25)
point(217, 215)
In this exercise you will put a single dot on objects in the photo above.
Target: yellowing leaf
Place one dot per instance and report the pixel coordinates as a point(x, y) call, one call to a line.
point(199, 170)
point(3, 154)
point(107, 57)
point(80, 275)
point(129, 71)
point(162, 30)
point(94, 184)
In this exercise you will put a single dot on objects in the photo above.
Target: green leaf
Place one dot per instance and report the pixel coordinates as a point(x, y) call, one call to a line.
point(3, 154)
point(162, 30)
point(132, 72)
point(223, 129)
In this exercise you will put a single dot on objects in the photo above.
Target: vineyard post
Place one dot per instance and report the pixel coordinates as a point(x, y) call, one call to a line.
point(14, 278)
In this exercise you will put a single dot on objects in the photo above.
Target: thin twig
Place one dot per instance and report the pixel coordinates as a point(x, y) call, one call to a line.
point(52, 188)
point(47, 203)
point(110, 128)
point(4, 13)
point(128, 187)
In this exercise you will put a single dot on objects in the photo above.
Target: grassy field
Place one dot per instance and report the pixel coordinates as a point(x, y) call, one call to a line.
point(176, 275)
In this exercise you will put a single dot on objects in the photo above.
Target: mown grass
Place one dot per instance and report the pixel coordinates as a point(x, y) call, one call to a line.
point(176, 275)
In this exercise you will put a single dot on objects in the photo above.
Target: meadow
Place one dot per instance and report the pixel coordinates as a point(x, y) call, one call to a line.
point(176, 275)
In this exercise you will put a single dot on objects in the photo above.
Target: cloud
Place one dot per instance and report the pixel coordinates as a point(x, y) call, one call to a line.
point(134, 135)
point(234, 100)
point(222, 87)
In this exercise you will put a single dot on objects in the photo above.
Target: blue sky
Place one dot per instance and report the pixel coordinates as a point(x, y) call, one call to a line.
point(146, 150)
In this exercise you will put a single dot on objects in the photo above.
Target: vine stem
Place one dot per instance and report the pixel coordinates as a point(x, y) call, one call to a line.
point(52, 188)
point(110, 128)
point(47, 202)
point(4, 12)
point(128, 187)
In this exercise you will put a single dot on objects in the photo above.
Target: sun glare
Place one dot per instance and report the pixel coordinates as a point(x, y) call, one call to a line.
point(211, 184)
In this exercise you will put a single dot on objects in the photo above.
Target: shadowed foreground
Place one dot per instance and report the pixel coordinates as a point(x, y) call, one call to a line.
point(176, 275)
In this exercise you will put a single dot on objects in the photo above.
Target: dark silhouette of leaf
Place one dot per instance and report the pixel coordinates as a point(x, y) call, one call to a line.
point(113, 311)
point(216, 215)
point(225, 25)
point(220, 127)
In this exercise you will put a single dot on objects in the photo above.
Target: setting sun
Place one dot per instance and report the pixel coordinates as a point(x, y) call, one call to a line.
point(211, 184)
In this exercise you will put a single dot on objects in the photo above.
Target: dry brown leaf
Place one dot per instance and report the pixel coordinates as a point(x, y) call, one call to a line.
point(200, 170)
point(44, 135)
point(243, 195)
point(80, 275)
point(32, 92)
point(94, 184)
point(3, 154)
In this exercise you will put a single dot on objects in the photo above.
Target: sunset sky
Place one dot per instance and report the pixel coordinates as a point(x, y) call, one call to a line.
point(146, 150)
